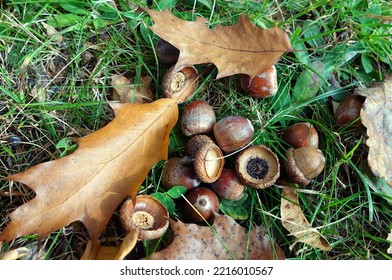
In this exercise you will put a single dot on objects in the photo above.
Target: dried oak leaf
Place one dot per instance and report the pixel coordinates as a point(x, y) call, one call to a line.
point(90, 183)
point(376, 116)
point(239, 48)
point(228, 240)
point(294, 220)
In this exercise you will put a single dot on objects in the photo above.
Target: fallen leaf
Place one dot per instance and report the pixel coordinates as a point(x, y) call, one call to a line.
point(226, 240)
point(90, 183)
point(239, 48)
point(15, 254)
point(125, 91)
point(113, 252)
point(389, 238)
point(376, 116)
point(294, 220)
point(51, 32)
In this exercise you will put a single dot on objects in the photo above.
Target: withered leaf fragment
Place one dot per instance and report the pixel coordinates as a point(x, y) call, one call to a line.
point(228, 240)
point(376, 116)
point(295, 222)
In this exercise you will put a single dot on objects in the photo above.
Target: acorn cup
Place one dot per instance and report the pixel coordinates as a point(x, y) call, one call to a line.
point(147, 215)
point(258, 167)
point(181, 83)
point(303, 164)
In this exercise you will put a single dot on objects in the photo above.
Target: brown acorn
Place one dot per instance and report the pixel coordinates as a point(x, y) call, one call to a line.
point(263, 85)
point(303, 164)
point(233, 133)
point(204, 203)
point(166, 52)
point(228, 186)
point(301, 135)
point(349, 110)
point(178, 174)
point(195, 143)
point(198, 117)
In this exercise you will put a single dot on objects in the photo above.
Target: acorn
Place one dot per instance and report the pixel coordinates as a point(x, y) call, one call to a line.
point(198, 117)
point(180, 84)
point(228, 186)
point(233, 133)
point(166, 52)
point(263, 85)
point(178, 174)
point(147, 215)
point(203, 204)
point(301, 135)
point(303, 164)
point(258, 167)
point(349, 110)
point(209, 163)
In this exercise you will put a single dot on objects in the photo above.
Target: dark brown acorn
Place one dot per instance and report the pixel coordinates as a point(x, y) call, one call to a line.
point(204, 203)
point(177, 174)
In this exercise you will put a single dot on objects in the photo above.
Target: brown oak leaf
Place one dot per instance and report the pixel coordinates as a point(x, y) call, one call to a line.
point(294, 220)
point(226, 240)
point(239, 48)
point(376, 116)
point(90, 183)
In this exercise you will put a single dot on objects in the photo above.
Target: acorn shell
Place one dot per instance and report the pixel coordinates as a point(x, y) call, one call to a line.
point(258, 167)
point(209, 163)
point(148, 215)
point(180, 84)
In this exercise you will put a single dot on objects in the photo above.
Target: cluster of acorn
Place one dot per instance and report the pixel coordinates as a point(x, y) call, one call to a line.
point(211, 142)
point(256, 166)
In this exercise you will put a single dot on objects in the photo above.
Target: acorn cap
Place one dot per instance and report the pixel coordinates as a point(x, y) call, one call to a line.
point(195, 143)
point(303, 164)
point(148, 215)
point(181, 83)
point(209, 163)
point(258, 167)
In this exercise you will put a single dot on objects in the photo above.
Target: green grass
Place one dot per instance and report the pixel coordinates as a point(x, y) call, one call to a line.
point(344, 44)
